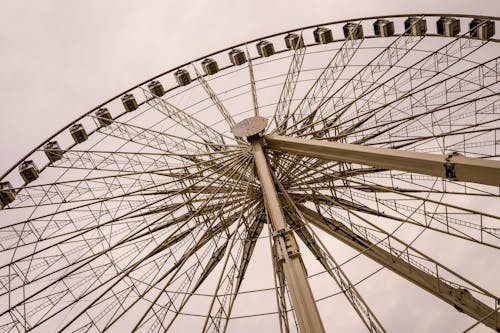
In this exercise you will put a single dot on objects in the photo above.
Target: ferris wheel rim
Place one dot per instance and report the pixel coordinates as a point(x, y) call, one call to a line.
point(282, 33)
point(118, 96)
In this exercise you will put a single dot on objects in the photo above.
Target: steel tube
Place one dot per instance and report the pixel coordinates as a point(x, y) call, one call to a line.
point(289, 257)
point(453, 167)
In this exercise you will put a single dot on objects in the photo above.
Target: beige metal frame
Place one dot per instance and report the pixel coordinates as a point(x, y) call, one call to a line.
point(463, 168)
point(287, 249)
point(215, 186)
point(454, 167)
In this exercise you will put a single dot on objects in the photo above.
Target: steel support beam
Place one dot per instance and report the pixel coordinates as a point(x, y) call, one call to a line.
point(288, 253)
point(459, 298)
point(453, 167)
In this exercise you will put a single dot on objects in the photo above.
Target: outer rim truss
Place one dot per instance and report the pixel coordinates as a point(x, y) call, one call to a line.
point(203, 168)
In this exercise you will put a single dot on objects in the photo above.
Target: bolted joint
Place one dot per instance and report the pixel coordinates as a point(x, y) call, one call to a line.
point(449, 168)
point(285, 237)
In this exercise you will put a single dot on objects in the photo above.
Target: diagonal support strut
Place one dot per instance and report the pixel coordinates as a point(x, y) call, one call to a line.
point(458, 297)
point(453, 166)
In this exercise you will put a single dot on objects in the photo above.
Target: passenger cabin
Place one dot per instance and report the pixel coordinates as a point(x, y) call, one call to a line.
point(323, 35)
point(482, 29)
point(210, 66)
point(156, 88)
point(28, 171)
point(129, 102)
point(53, 151)
point(182, 76)
point(7, 194)
point(78, 133)
point(448, 26)
point(265, 48)
point(104, 117)
point(294, 41)
point(353, 31)
point(383, 28)
point(237, 57)
point(415, 26)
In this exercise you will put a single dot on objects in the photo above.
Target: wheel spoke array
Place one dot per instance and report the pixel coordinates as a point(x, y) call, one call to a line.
point(379, 161)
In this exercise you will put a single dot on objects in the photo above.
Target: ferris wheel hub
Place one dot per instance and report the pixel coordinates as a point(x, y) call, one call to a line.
point(250, 127)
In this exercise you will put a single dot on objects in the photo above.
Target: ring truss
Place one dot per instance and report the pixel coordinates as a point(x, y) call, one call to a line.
point(160, 218)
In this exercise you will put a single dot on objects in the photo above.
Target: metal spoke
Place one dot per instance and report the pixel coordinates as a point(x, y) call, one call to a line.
point(407, 206)
point(323, 84)
point(282, 112)
point(296, 221)
point(252, 84)
point(437, 62)
point(409, 263)
point(180, 264)
point(213, 96)
point(188, 122)
point(149, 212)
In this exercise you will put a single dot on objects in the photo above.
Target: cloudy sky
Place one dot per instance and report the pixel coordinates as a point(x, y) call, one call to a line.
point(60, 58)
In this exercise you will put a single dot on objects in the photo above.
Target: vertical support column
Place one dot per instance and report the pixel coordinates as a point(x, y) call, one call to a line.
point(287, 249)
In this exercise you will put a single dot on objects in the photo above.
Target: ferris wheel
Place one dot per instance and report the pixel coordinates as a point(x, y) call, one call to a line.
point(331, 177)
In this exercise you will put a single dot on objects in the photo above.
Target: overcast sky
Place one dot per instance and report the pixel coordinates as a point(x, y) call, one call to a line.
point(60, 58)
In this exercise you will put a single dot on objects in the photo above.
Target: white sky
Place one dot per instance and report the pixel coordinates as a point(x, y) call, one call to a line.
point(60, 58)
